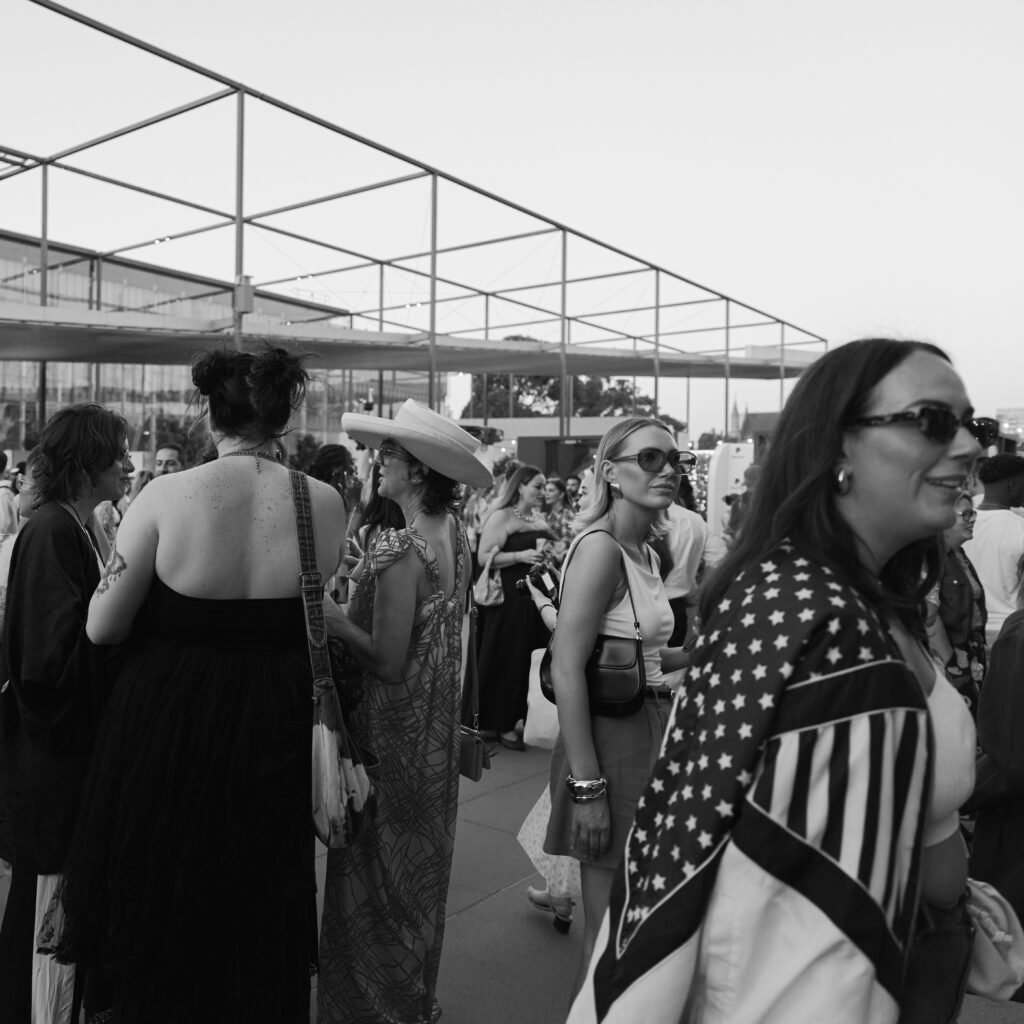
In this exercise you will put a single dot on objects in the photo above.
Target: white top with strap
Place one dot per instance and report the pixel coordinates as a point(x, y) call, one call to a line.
point(653, 611)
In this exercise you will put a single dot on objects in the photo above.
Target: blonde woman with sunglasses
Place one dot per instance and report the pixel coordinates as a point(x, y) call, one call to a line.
point(601, 764)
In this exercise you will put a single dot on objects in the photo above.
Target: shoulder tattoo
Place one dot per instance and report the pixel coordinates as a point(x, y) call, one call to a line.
point(112, 572)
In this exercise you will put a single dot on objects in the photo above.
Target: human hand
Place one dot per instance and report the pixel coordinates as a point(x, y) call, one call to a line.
point(354, 549)
point(591, 829)
point(335, 617)
point(539, 597)
point(530, 557)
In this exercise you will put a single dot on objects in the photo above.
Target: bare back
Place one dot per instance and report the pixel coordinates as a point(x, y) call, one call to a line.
point(225, 531)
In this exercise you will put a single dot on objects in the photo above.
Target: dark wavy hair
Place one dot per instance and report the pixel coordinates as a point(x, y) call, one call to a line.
point(77, 444)
point(795, 496)
point(331, 464)
point(251, 394)
point(440, 493)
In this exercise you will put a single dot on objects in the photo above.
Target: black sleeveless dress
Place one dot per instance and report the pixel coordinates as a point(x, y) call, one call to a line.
point(506, 636)
point(190, 880)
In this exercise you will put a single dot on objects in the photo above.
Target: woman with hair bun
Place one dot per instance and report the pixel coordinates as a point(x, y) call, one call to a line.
point(191, 876)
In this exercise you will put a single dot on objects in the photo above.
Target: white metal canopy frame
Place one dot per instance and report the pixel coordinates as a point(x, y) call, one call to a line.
point(307, 256)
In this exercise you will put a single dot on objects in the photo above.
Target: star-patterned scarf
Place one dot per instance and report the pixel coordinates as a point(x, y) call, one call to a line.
point(801, 738)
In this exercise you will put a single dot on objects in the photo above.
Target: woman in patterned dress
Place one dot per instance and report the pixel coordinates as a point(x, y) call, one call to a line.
point(385, 895)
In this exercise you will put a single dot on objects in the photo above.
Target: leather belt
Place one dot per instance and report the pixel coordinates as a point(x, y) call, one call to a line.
point(659, 693)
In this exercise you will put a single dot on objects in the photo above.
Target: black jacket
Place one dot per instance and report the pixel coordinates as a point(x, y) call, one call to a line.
point(56, 686)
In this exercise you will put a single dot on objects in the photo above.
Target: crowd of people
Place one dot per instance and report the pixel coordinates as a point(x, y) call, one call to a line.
point(821, 744)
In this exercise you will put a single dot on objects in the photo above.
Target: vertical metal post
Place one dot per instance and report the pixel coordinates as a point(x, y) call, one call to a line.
point(432, 379)
point(570, 408)
point(728, 310)
point(380, 392)
point(657, 340)
point(380, 299)
point(44, 285)
point(689, 421)
point(632, 405)
point(145, 403)
point(564, 400)
point(327, 406)
point(782, 366)
point(511, 398)
point(239, 208)
point(487, 335)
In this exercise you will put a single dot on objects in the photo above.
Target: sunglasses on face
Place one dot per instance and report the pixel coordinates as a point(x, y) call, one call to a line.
point(386, 451)
point(652, 460)
point(968, 515)
point(938, 424)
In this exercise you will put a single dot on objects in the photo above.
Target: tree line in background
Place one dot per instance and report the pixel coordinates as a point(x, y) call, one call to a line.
point(540, 395)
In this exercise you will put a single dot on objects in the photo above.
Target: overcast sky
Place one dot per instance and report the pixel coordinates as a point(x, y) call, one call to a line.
point(854, 168)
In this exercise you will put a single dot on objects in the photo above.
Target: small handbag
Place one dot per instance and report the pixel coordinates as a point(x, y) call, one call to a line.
point(997, 957)
point(615, 673)
point(342, 791)
point(473, 758)
point(488, 591)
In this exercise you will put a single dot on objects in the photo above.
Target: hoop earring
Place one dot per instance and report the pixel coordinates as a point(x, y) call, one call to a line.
point(615, 490)
point(842, 481)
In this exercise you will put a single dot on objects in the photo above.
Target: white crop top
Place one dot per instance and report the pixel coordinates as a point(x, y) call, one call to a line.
point(953, 773)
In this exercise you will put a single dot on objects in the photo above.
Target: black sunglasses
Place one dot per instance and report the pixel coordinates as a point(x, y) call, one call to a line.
point(938, 423)
point(968, 515)
point(652, 460)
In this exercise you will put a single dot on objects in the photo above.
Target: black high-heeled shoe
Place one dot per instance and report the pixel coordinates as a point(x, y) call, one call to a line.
point(560, 906)
point(511, 744)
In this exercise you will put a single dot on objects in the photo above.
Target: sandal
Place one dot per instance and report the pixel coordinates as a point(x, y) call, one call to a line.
point(515, 743)
point(560, 906)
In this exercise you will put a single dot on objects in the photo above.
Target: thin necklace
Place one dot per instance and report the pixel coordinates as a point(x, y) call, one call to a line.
point(519, 515)
point(93, 543)
point(255, 453)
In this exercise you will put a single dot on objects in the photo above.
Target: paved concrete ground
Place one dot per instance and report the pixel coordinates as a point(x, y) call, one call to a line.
point(503, 962)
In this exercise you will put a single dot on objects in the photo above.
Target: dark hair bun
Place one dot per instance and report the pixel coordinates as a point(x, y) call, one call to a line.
point(210, 372)
point(251, 394)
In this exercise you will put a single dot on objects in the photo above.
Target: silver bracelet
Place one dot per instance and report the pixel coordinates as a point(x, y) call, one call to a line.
point(584, 790)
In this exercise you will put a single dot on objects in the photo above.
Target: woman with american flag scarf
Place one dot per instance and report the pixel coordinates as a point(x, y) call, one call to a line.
point(777, 869)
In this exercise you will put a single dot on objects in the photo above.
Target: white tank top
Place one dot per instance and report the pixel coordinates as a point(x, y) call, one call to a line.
point(953, 774)
point(653, 612)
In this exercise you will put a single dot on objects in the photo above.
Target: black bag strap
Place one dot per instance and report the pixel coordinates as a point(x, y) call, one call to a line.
point(311, 585)
point(629, 589)
point(471, 689)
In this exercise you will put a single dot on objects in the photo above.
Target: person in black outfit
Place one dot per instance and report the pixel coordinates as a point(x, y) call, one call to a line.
point(191, 875)
point(55, 684)
point(517, 533)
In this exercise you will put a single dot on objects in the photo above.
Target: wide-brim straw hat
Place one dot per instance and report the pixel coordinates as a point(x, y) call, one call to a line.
point(429, 437)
